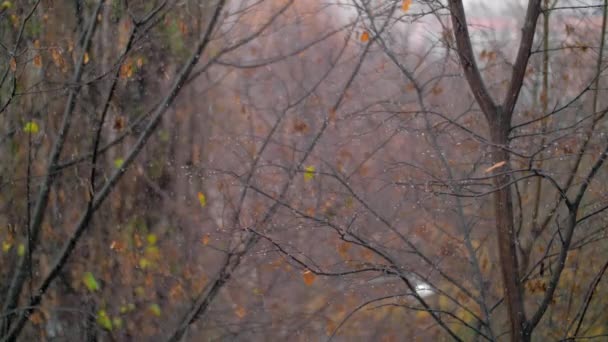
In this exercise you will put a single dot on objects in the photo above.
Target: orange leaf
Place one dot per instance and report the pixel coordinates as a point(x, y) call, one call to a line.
point(126, 70)
point(406, 5)
point(495, 166)
point(117, 246)
point(205, 239)
point(240, 312)
point(38, 61)
point(13, 64)
point(308, 277)
point(343, 249)
point(364, 36)
point(330, 326)
point(333, 115)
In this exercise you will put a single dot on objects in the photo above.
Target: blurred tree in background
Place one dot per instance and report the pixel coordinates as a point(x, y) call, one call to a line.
point(274, 169)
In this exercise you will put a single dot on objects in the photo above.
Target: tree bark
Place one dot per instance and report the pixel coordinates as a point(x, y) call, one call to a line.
point(505, 232)
point(499, 122)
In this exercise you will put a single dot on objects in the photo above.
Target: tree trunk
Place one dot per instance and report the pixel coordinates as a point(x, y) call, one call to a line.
point(507, 249)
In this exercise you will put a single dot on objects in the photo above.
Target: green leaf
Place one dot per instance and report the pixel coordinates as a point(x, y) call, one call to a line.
point(21, 250)
point(90, 282)
point(155, 309)
point(118, 162)
point(309, 173)
point(117, 322)
point(31, 127)
point(104, 320)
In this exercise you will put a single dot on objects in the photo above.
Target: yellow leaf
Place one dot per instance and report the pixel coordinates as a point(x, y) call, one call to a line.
point(364, 36)
point(6, 5)
point(155, 309)
point(205, 239)
point(6, 246)
point(31, 127)
point(308, 277)
point(86, 58)
point(118, 162)
point(422, 315)
point(495, 166)
point(21, 250)
point(309, 173)
point(202, 199)
point(151, 239)
point(144, 263)
point(406, 5)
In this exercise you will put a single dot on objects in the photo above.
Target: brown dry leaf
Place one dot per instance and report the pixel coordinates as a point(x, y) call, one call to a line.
point(300, 126)
point(437, 90)
point(495, 166)
point(364, 36)
point(119, 123)
point(13, 64)
point(183, 28)
point(38, 61)
point(332, 115)
point(36, 318)
point(406, 5)
point(308, 277)
point(176, 292)
point(330, 326)
point(343, 249)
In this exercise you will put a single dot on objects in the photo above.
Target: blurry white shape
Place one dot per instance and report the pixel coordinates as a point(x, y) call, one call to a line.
point(424, 290)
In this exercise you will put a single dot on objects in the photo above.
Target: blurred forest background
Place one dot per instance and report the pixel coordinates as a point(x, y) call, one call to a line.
point(264, 170)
